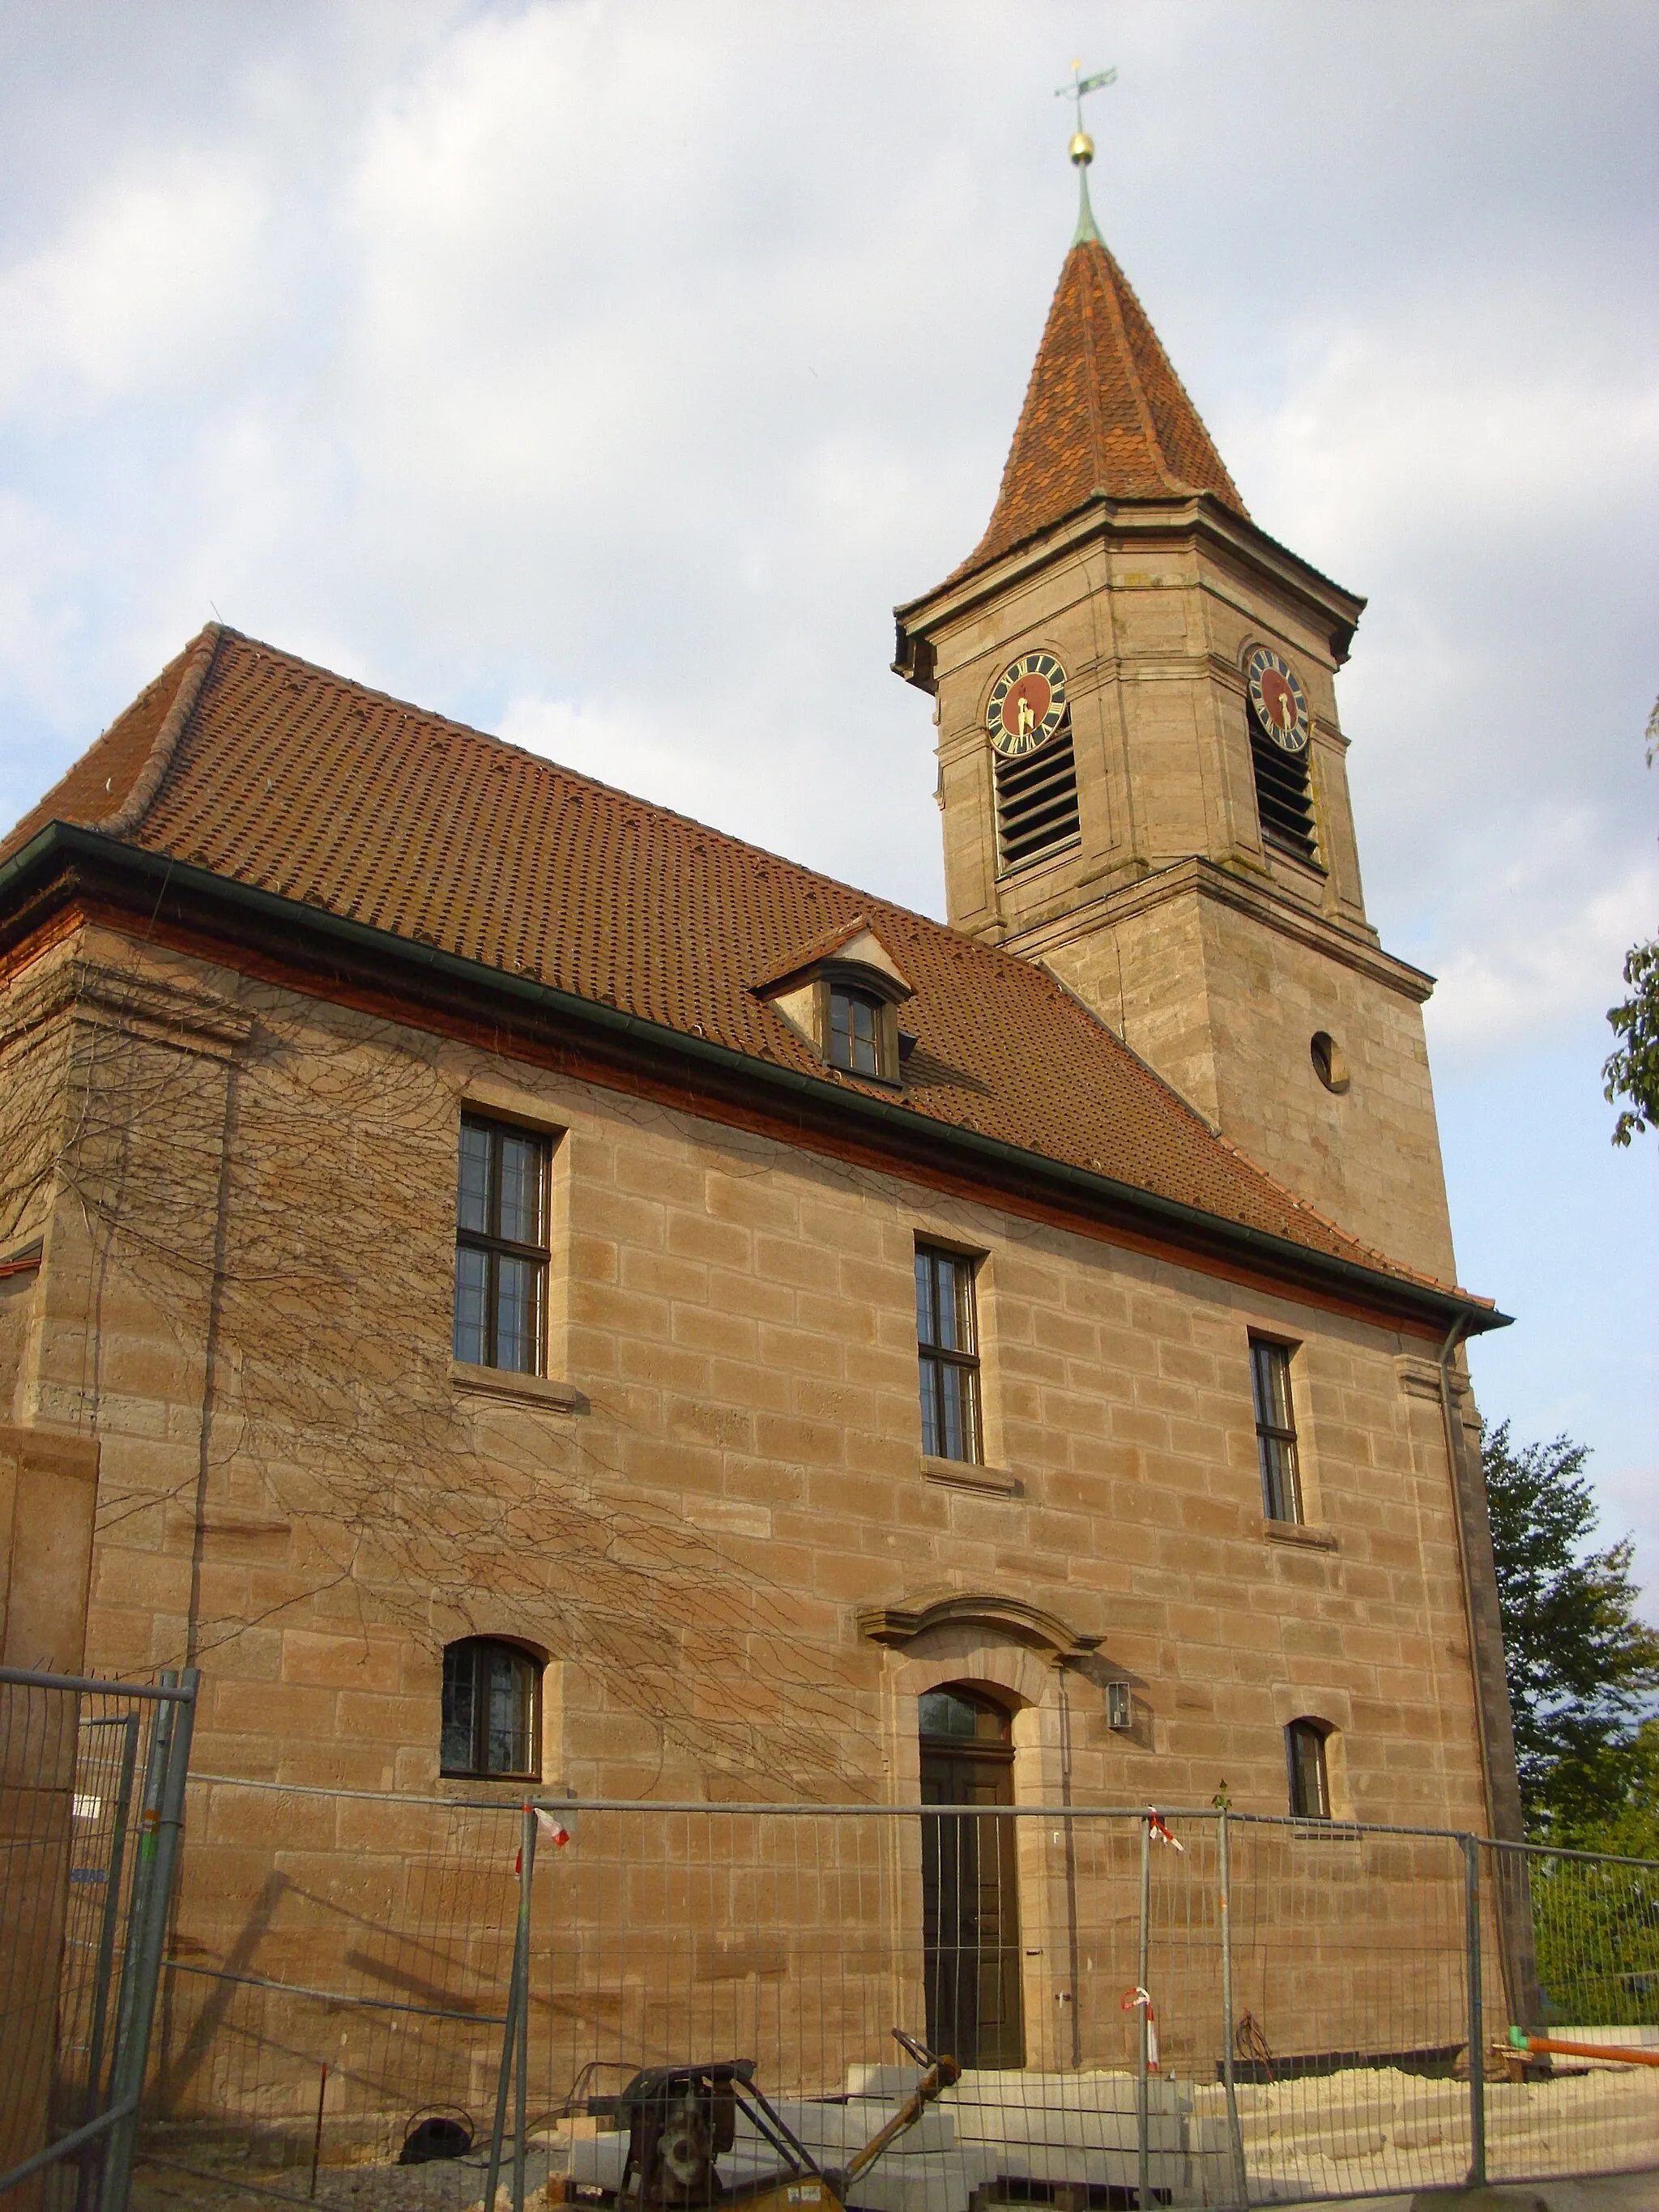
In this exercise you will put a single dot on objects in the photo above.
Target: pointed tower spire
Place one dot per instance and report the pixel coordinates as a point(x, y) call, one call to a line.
point(1083, 152)
point(1105, 414)
point(1082, 147)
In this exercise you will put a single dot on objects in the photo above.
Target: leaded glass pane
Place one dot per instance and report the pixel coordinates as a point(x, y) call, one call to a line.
point(1279, 1479)
point(455, 1741)
point(521, 1189)
point(956, 1413)
point(518, 1332)
point(1271, 1372)
point(472, 1305)
point(507, 1744)
point(864, 1037)
point(473, 1197)
point(927, 1299)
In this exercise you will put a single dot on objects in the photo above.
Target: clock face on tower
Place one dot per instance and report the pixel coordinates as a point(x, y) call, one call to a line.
point(1280, 703)
point(1027, 704)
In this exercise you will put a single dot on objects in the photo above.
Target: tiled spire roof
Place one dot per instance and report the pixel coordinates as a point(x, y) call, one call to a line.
point(1104, 413)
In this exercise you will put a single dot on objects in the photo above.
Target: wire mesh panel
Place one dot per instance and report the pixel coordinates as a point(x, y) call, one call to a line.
point(339, 1974)
point(1190, 2009)
point(80, 1803)
point(722, 1933)
point(1351, 2022)
point(1594, 1925)
point(800, 1939)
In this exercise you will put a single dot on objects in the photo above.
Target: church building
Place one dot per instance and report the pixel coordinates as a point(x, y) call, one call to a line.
point(520, 1286)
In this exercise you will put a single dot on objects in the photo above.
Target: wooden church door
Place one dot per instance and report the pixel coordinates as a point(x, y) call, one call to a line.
point(969, 1882)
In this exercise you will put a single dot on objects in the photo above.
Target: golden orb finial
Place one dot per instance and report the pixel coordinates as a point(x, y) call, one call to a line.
point(1082, 149)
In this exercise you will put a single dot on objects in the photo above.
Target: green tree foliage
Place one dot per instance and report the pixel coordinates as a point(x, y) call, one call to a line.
point(1596, 1927)
point(1632, 1071)
point(1583, 1669)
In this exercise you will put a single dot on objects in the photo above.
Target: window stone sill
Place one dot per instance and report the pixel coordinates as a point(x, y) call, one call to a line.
point(522, 1389)
point(968, 1474)
point(503, 1790)
point(1298, 1532)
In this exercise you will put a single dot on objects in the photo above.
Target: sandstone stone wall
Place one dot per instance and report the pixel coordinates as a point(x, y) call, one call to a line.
point(244, 1299)
point(1215, 955)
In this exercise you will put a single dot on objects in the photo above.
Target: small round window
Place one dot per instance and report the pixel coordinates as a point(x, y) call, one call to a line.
point(1328, 1064)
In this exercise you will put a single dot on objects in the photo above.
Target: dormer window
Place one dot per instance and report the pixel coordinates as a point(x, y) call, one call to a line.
point(842, 1000)
point(856, 1032)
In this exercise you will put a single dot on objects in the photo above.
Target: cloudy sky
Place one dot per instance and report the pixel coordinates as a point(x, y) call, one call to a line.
point(602, 371)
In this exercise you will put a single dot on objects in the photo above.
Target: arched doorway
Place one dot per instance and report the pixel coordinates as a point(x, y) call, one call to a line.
point(970, 1881)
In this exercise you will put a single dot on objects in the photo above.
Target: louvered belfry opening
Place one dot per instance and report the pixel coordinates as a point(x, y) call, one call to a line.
point(1036, 802)
point(1283, 796)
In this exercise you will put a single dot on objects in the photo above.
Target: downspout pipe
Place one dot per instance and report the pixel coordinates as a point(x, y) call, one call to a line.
point(1517, 1961)
point(1457, 1469)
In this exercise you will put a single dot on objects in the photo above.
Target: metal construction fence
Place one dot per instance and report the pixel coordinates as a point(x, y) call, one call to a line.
point(1194, 2009)
point(92, 1785)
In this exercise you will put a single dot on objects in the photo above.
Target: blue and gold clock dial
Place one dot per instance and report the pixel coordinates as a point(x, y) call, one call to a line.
point(1280, 703)
point(1027, 704)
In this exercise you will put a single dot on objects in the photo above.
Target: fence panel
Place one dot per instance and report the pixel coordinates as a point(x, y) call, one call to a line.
point(339, 1975)
point(801, 1939)
point(1197, 2010)
point(1594, 1923)
point(90, 1776)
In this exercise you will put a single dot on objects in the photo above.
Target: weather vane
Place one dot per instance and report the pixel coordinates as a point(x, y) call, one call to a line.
point(1082, 147)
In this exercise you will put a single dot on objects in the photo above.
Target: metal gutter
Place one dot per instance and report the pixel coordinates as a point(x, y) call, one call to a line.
point(1261, 1249)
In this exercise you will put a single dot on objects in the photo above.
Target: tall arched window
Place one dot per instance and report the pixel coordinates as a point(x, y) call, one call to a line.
point(491, 1710)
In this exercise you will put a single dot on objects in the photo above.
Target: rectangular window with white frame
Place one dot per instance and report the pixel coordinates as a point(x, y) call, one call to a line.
point(947, 1345)
point(501, 1247)
point(1275, 1430)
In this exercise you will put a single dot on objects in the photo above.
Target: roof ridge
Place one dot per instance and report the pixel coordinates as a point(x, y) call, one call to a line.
point(1175, 378)
point(148, 781)
point(1132, 375)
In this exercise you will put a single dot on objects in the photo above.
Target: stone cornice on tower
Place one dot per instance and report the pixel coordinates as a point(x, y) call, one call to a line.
point(1331, 607)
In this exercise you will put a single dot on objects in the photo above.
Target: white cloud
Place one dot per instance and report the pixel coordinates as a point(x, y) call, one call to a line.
point(147, 289)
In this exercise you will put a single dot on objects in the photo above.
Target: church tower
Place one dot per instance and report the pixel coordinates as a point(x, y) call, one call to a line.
point(1143, 777)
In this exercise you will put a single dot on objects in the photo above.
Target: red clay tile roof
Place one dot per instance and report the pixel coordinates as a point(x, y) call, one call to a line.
point(1104, 413)
point(277, 774)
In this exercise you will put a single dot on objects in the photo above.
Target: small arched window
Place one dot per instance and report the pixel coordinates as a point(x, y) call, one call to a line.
point(491, 1710)
point(1310, 1784)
